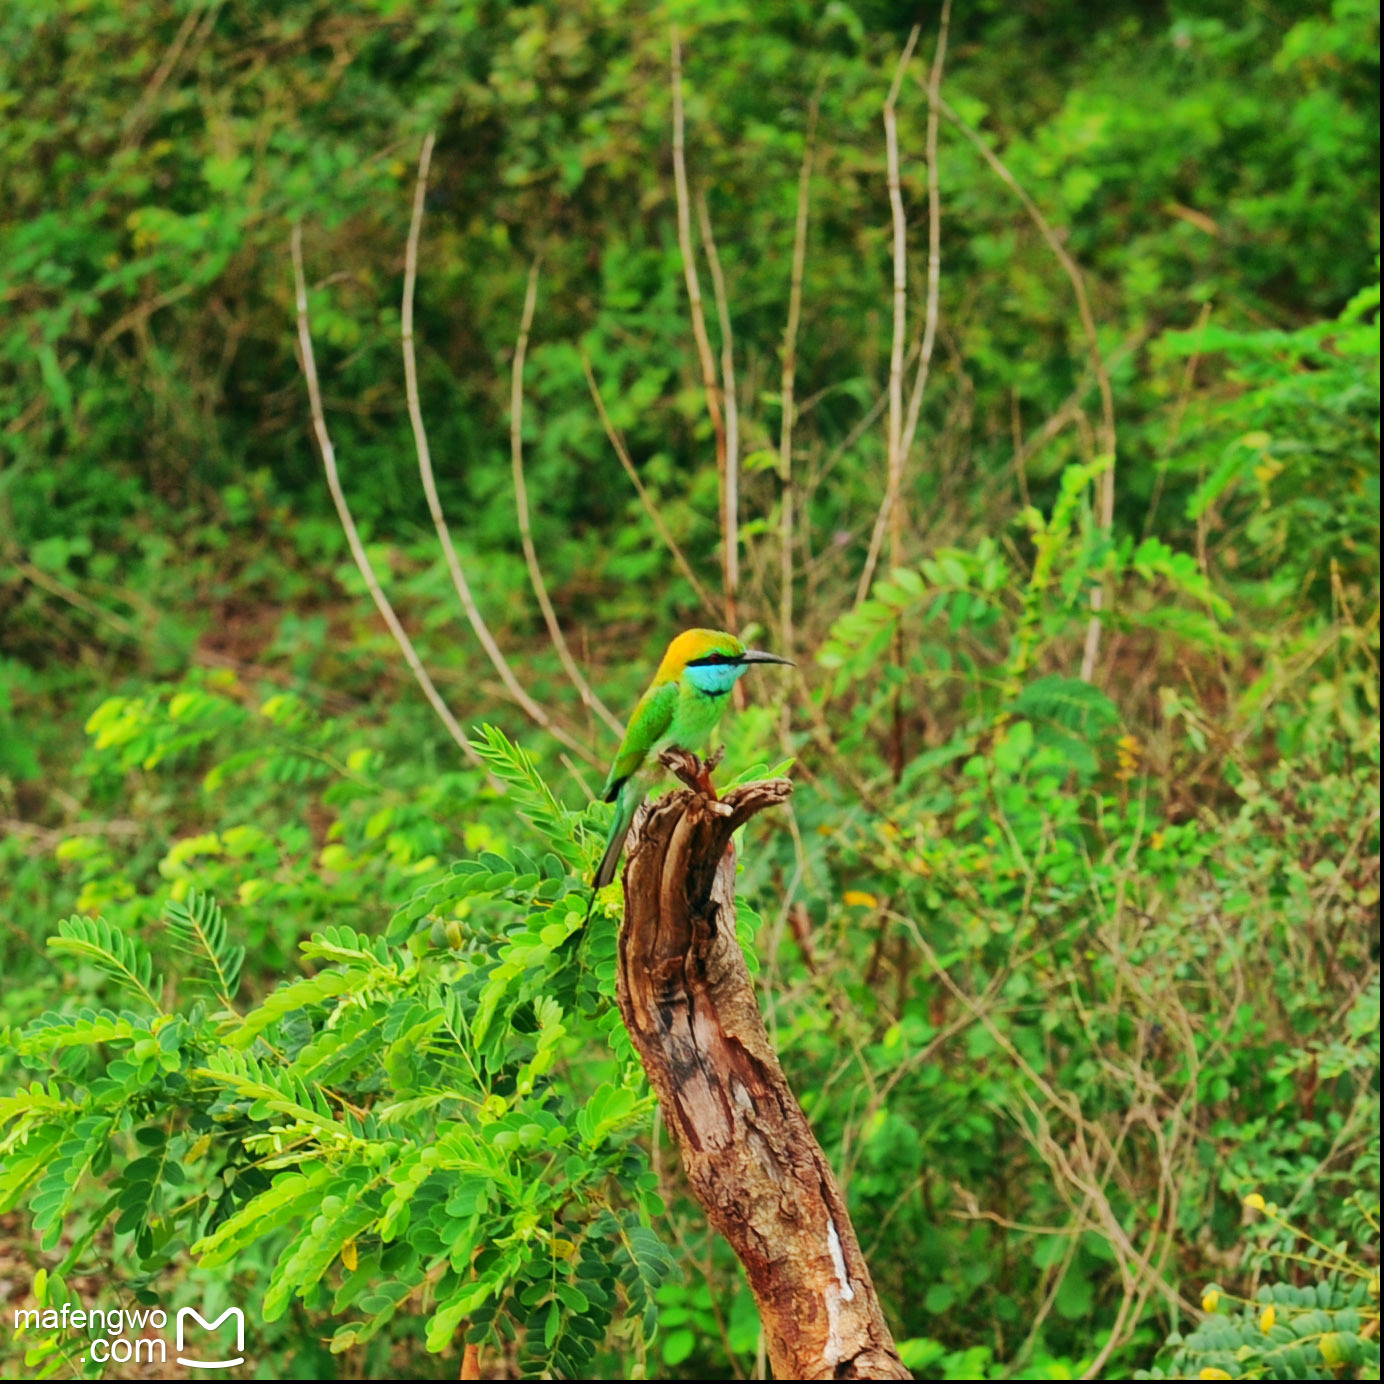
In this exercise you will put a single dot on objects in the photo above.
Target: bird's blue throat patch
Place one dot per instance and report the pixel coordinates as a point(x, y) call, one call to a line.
point(715, 679)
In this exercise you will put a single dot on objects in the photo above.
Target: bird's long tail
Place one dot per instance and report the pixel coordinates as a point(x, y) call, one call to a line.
point(626, 804)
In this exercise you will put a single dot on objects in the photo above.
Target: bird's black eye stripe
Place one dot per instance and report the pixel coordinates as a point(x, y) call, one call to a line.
point(712, 660)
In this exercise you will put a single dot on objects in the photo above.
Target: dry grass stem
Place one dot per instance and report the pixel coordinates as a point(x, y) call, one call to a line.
point(1184, 395)
point(493, 652)
point(651, 509)
point(934, 247)
point(1105, 437)
point(191, 35)
point(521, 505)
point(699, 333)
point(789, 380)
point(896, 352)
point(348, 524)
point(731, 490)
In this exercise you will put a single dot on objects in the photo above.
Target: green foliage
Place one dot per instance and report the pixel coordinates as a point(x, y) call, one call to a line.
point(125, 959)
point(1064, 955)
point(390, 1129)
point(1288, 456)
point(1325, 1328)
point(198, 927)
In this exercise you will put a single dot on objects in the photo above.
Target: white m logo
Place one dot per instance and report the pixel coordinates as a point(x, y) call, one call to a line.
point(184, 1312)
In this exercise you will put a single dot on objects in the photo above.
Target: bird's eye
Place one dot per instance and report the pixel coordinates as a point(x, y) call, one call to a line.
point(712, 660)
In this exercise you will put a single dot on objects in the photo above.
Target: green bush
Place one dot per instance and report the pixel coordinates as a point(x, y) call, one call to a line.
point(425, 1117)
point(1069, 944)
point(1322, 1329)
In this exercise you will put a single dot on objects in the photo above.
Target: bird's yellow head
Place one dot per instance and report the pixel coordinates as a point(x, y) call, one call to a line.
point(710, 659)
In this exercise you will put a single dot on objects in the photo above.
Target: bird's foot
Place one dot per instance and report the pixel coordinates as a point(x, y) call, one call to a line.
point(704, 768)
point(694, 771)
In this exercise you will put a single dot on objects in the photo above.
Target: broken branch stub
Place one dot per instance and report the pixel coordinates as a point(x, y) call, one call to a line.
point(751, 1158)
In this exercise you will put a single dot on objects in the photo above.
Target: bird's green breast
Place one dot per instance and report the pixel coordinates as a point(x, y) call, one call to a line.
point(672, 713)
point(694, 718)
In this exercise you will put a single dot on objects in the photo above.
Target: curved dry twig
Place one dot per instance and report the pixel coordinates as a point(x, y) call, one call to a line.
point(896, 351)
point(621, 451)
point(730, 504)
point(789, 380)
point(890, 516)
point(1106, 436)
point(729, 563)
point(934, 236)
point(493, 652)
point(1069, 266)
point(521, 505)
point(348, 524)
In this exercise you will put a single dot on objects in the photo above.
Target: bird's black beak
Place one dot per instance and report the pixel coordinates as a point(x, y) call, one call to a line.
point(759, 656)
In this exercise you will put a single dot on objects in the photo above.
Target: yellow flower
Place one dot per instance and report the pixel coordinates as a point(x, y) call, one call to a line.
point(1270, 1315)
point(1211, 1301)
point(1255, 1202)
point(1127, 753)
point(859, 898)
point(1213, 1374)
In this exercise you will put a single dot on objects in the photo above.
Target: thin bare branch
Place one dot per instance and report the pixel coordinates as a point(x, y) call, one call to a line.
point(694, 299)
point(1069, 266)
point(1106, 434)
point(521, 504)
point(895, 454)
point(651, 509)
point(934, 236)
point(859, 428)
point(1071, 406)
point(731, 490)
point(493, 652)
point(191, 35)
point(47, 582)
point(789, 381)
point(1184, 395)
point(348, 524)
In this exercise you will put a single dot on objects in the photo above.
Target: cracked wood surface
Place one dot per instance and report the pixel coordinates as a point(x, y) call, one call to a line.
point(751, 1159)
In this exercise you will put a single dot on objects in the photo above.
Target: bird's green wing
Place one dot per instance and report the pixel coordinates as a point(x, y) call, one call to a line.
point(652, 716)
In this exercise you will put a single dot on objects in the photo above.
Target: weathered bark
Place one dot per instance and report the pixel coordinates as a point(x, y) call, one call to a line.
point(751, 1159)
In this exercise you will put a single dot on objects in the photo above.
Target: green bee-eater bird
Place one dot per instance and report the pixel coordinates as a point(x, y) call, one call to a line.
point(680, 710)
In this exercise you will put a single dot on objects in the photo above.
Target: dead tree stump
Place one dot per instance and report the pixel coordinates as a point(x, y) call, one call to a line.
point(750, 1156)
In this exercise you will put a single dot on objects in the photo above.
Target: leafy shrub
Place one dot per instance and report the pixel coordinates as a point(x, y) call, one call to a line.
point(1063, 966)
point(402, 1130)
point(1326, 1328)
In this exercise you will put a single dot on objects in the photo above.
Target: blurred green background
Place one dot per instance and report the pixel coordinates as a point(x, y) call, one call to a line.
point(1069, 942)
